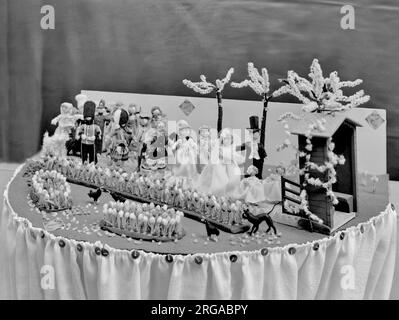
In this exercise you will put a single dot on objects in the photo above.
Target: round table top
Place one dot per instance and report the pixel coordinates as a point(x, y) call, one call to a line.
point(84, 226)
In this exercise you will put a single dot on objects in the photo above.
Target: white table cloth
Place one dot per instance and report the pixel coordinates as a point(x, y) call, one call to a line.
point(355, 264)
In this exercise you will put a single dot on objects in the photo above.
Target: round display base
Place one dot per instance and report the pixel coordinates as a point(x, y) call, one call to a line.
point(85, 227)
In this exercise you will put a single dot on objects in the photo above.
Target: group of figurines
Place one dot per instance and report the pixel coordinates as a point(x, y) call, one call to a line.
point(144, 218)
point(212, 163)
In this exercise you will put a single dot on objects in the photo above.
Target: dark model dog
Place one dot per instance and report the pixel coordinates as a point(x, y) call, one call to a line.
point(256, 220)
point(116, 196)
point(95, 194)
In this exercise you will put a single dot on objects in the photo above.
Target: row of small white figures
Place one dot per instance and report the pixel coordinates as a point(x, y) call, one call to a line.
point(144, 218)
point(168, 190)
point(51, 189)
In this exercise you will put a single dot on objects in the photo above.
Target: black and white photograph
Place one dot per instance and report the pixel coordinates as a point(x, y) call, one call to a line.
point(213, 151)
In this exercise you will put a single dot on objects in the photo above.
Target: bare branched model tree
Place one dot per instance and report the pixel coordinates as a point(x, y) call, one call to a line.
point(204, 87)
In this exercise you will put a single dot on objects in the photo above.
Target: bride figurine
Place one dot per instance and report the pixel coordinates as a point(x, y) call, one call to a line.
point(186, 150)
point(221, 176)
point(252, 189)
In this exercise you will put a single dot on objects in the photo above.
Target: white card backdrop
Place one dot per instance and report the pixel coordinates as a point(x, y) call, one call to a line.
point(371, 142)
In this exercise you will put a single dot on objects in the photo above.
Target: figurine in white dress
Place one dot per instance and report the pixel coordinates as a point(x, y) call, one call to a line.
point(221, 176)
point(186, 150)
point(252, 189)
point(65, 121)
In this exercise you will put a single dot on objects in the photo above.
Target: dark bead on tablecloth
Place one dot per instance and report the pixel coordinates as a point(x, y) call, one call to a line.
point(79, 247)
point(342, 236)
point(42, 234)
point(97, 250)
point(104, 252)
point(61, 243)
point(362, 229)
point(135, 254)
point(316, 246)
point(233, 258)
point(264, 251)
point(169, 258)
point(198, 260)
point(291, 250)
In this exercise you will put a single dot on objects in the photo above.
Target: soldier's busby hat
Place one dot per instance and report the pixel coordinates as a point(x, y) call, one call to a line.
point(89, 109)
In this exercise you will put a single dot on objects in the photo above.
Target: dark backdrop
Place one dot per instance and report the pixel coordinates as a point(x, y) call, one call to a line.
point(149, 46)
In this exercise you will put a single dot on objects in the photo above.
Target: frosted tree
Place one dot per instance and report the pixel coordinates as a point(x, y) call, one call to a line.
point(258, 82)
point(204, 87)
point(321, 94)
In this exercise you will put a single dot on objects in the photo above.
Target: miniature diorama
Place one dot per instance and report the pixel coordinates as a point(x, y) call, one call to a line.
point(144, 182)
point(210, 173)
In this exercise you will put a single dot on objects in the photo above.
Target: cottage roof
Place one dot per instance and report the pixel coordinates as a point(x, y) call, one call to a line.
point(331, 125)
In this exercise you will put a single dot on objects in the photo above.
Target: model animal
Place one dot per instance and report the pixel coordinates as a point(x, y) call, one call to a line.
point(95, 195)
point(256, 220)
point(211, 230)
point(117, 197)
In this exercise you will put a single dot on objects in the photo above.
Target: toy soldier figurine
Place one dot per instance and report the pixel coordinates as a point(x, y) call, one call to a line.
point(88, 132)
point(254, 151)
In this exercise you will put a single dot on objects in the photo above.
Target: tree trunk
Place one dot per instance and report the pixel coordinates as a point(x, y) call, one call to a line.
point(220, 111)
point(263, 132)
point(263, 123)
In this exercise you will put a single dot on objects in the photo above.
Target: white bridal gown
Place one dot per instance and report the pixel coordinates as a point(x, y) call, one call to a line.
point(186, 160)
point(222, 176)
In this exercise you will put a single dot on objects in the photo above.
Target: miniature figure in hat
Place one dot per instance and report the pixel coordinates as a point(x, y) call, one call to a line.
point(88, 132)
point(254, 151)
point(156, 116)
point(120, 137)
point(185, 149)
